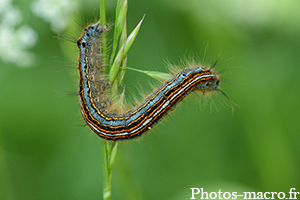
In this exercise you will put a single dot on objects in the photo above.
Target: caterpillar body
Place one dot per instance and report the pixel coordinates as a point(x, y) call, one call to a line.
point(95, 104)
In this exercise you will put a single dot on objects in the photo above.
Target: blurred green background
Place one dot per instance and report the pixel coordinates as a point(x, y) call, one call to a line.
point(47, 152)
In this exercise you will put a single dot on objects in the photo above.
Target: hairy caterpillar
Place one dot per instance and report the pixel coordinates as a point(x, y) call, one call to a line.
point(95, 104)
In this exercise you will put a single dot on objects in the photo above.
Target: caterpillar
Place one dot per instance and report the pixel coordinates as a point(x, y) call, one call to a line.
point(95, 104)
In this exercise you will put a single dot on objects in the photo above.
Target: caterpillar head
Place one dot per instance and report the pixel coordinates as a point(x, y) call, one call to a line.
point(94, 30)
point(209, 81)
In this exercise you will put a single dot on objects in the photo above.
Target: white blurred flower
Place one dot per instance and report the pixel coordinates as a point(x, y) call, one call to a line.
point(4, 4)
point(27, 36)
point(11, 16)
point(57, 12)
point(14, 41)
